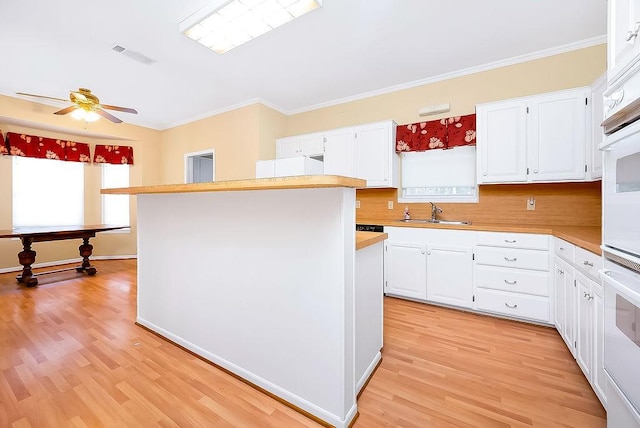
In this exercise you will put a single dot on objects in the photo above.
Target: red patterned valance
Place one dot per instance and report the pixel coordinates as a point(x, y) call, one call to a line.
point(113, 154)
point(437, 134)
point(46, 148)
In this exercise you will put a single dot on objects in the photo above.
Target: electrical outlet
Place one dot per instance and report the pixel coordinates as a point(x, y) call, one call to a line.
point(390, 205)
point(531, 204)
point(357, 204)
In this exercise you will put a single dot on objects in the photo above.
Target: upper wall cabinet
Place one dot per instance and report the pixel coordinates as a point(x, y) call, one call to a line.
point(535, 139)
point(364, 151)
point(311, 145)
point(623, 44)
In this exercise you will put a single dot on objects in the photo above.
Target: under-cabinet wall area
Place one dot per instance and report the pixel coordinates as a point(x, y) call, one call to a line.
point(577, 204)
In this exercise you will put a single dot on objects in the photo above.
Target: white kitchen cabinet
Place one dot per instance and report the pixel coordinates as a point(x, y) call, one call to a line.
point(375, 158)
point(444, 276)
point(501, 142)
point(557, 137)
point(512, 276)
point(311, 145)
point(558, 281)
point(623, 46)
point(598, 376)
point(339, 152)
point(540, 138)
point(582, 323)
point(449, 275)
point(405, 268)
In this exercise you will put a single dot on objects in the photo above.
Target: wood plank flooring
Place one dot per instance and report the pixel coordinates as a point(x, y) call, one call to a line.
point(70, 355)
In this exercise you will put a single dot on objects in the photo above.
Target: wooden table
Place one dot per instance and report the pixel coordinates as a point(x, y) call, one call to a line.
point(29, 235)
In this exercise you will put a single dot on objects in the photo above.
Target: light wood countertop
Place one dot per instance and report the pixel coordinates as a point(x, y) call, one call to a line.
point(587, 237)
point(364, 239)
point(298, 182)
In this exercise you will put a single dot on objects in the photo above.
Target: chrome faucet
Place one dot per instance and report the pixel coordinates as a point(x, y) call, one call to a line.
point(434, 211)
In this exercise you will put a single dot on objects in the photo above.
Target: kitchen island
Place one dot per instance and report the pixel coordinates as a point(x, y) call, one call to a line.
point(258, 277)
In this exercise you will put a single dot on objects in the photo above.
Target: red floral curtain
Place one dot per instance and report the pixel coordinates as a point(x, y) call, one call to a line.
point(46, 148)
point(436, 134)
point(3, 145)
point(113, 154)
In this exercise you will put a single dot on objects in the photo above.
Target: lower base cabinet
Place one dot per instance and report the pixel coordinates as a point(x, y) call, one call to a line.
point(449, 273)
point(405, 268)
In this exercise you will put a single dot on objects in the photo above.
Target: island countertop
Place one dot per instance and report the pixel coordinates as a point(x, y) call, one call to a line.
point(297, 182)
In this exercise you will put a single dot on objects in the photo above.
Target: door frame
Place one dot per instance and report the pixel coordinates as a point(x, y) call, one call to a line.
point(188, 164)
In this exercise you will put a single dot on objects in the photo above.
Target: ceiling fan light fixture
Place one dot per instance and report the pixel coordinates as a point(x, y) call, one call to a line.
point(222, 27)
point(86, 115)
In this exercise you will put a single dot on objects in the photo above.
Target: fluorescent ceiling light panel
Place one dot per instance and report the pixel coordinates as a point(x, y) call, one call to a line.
point(222, 27)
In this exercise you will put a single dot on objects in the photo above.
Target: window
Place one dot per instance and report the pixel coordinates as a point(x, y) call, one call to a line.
point(115, 208)
point(439, 175)
point(47, 192)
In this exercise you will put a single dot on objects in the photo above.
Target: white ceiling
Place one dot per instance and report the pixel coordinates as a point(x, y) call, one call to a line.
point(345, 49)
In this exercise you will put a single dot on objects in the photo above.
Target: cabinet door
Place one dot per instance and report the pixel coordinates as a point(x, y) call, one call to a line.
point(405, 269)
point(583, 326)
point(501, 145)
point(558, 284)
point(312, 145)
point(570, 294)
point(598, 376)
point(338, 152)
point(557, 136)
point(622, 45)
point(373, 154)
point(449, 275)
point(288, 147)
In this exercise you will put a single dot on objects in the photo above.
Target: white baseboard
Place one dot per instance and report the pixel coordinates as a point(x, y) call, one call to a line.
point(66, 262)
point(368, 372)
point(254, 379)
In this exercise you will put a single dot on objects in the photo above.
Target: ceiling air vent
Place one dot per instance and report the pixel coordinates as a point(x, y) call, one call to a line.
point(136, 56)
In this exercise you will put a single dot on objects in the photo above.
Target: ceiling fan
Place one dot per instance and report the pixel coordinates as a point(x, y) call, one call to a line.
point(85, 106)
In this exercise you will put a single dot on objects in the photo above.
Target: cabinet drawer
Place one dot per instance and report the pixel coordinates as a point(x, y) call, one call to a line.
point(513, 240)
point(513, 258)
point(513, 304)
point(588, 262)
point(563, 249)
point(513, 280)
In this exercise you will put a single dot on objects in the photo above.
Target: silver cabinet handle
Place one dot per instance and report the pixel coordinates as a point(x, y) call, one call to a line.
point(560, 271)
point(586, 263)
point(590, 297)
point(585, 294)
point(428, 253)
point(510, 282)
point(535, 171)
point(510, 241)
point(422, 251)
point(484, 174)
point(561, 248)
point(510, 306)
point(511, 260)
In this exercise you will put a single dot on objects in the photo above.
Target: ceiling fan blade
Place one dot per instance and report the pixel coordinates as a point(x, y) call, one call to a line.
point(66, 110)
point(104, 114)
point(42, 96)
point(124, 109)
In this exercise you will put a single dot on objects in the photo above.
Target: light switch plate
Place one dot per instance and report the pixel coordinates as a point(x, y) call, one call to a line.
point(357, 204)
point(390, 205)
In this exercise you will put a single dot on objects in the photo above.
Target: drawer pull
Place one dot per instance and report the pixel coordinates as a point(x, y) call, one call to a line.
point(511, 260)
point(510, 241)
point(511, 306)
point(510, 282)
point(561, 248)
point(586, 263)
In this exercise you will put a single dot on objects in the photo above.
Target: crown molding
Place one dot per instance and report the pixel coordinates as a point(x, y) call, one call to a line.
point(582, 44)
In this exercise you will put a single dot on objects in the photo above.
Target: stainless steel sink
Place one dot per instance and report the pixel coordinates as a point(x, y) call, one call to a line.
point(417, 220)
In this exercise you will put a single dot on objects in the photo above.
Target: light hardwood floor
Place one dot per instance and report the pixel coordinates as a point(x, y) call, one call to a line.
point(70, 355)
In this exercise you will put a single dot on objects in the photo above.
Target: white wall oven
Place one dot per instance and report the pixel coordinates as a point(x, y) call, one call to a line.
point(621, 236)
